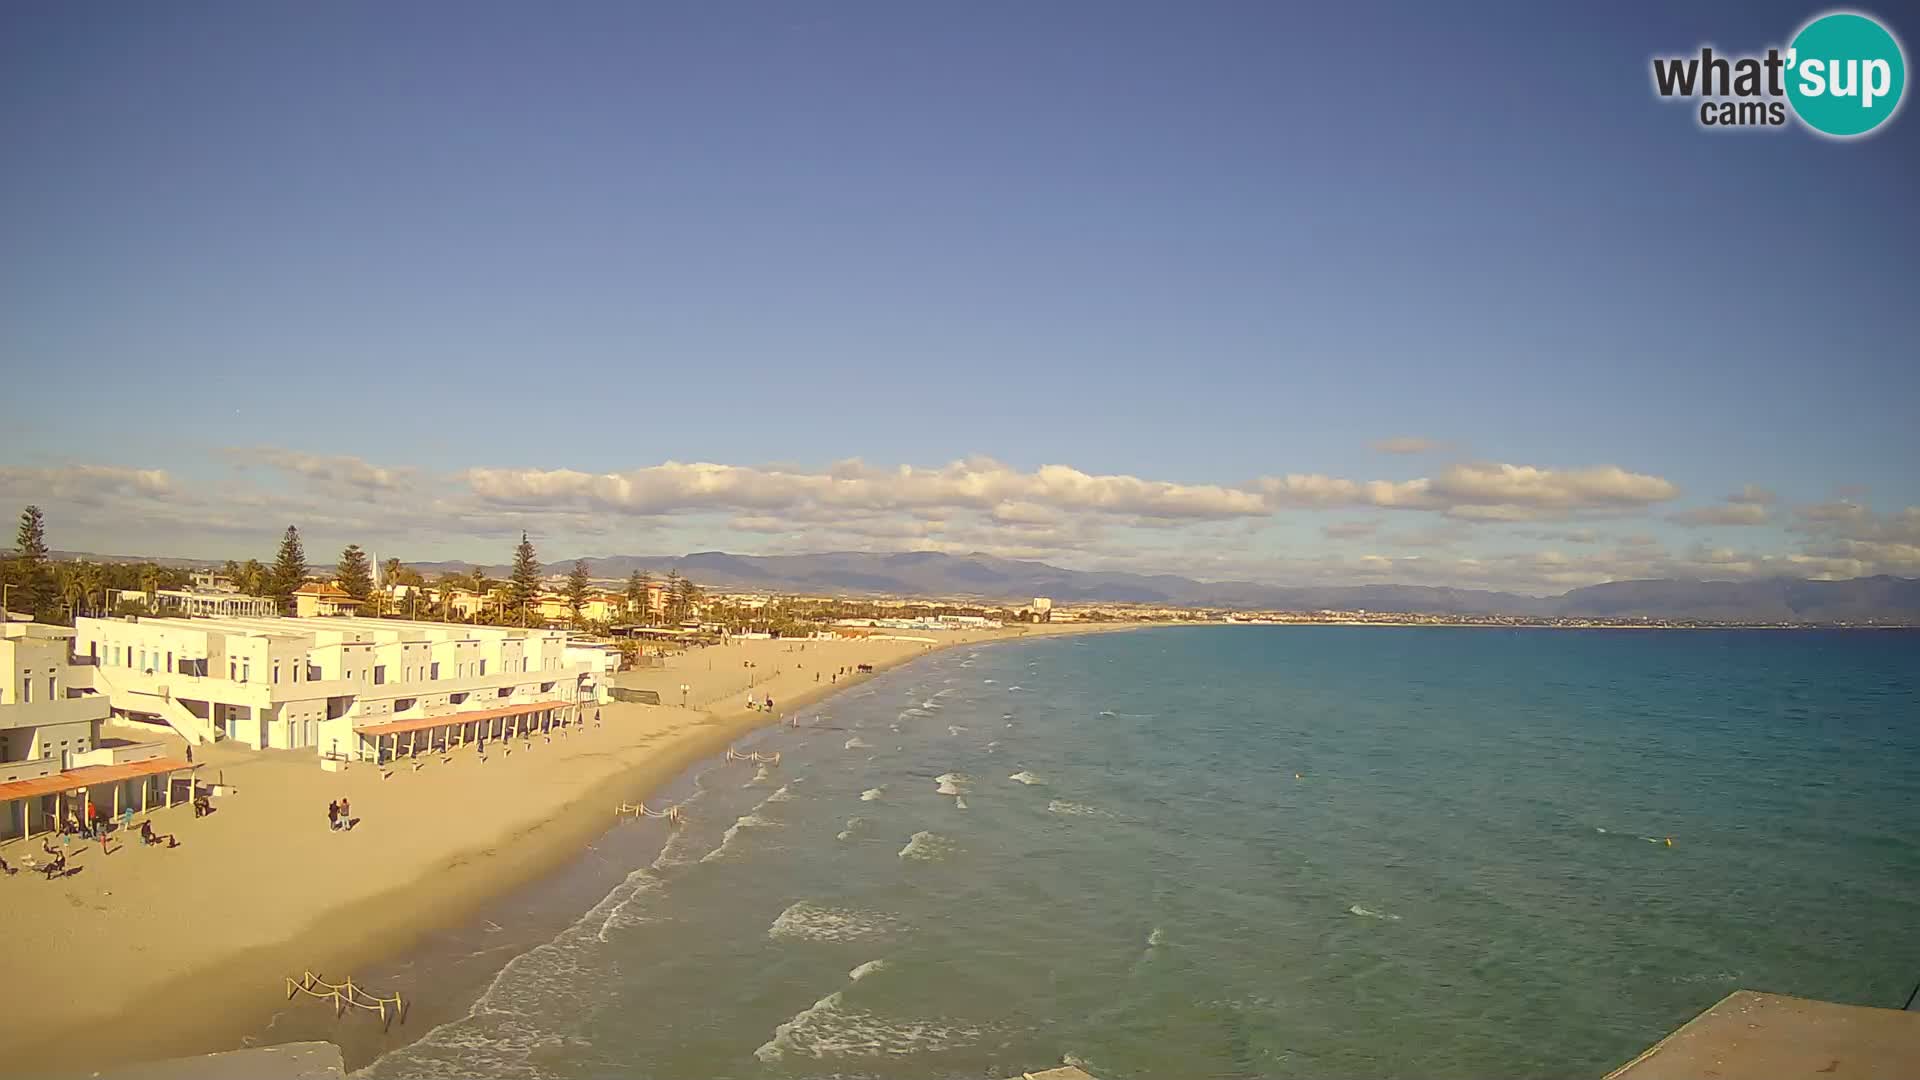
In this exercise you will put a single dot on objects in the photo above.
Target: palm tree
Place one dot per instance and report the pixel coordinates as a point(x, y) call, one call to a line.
point(92, 585)
point(66, 577)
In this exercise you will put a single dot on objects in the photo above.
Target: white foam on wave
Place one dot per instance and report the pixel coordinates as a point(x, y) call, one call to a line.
point(806, 921)
point(1107, 712)
point(866, 969)
point(959, 803)
point(989, 682)
point(945, 692)
point(1015, 689)
point(854, 825)
point(749, 820)
point(1074, 809)
point(931, 705)
point(873, 794)
point(1157, 938)
point(926, 847)
point(829, 1029)
point(502, 1032)
point(1369, 913)
point(858, 743)
point(1025, 777)
point(956, 729)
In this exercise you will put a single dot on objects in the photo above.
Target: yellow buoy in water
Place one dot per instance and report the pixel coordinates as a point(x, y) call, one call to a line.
point(1296, 776)
point(1669, 841)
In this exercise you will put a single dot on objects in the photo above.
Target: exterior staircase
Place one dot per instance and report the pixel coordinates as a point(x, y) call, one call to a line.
point(197, 730)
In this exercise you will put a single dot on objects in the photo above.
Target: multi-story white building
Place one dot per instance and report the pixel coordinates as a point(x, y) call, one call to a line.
point(323, 683)
point(46, 708)
point(52, 766)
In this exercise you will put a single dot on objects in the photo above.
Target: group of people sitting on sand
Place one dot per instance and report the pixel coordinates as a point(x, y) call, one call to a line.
point(57, 867)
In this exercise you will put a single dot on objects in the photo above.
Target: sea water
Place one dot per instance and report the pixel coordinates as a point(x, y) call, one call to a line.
point(1253, 852)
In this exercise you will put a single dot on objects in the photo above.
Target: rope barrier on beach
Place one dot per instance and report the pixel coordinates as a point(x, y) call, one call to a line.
point(345, 995)
point(671, 813)
point(756, 757)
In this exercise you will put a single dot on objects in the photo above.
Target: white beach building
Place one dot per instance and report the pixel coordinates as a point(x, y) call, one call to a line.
point(326, 683)
point(52, 763)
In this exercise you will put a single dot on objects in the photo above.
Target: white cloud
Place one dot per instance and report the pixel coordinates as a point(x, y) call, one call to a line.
point(340, 470)
point(1349, 530)
point(1481, 492)
point(976, 484)
point(1754, 495)
point(1843, 510)
point(81, 482)
point(1406, 444)
point(1730, 513)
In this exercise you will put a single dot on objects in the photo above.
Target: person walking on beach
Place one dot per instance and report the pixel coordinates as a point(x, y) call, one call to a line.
point(346, 814)
point(596, 718)
point(189, 753)
point(769, 702)
point(333, 815)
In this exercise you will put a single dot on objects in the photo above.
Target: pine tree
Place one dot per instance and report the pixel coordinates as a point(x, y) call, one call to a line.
point(32, 581)
point(524, 582)
point(636, 593)
point(578, 583)
point(289, 570)
point(355, 573)
point(672, 598)
point(688, 598)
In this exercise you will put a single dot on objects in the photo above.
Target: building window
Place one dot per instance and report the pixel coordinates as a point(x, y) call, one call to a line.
point(483, 667)
point(52, 693)
point(26, 690)
point(233, 670)
point(276, 673)
point(246, 670)
point(433, 671)
point(379, 674)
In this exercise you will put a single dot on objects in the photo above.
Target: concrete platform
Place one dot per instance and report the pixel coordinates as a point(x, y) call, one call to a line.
point(288, 1061)
point(1753, 1036)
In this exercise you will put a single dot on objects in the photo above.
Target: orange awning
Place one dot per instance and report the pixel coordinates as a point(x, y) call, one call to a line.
point(401, 727)
point(89, 776)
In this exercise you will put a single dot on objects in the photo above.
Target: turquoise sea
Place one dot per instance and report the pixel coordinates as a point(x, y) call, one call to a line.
point(1240, 852)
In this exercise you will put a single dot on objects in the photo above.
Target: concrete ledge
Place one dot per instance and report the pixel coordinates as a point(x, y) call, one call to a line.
point(1753, 1036)
point(291, 1061)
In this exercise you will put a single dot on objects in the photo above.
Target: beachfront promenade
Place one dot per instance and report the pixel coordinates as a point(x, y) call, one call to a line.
point(152, 952)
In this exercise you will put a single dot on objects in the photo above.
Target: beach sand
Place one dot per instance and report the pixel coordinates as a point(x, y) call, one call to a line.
point(152, 952)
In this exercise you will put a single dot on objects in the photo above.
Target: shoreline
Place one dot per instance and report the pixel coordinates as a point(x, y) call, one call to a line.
point(217, 1003)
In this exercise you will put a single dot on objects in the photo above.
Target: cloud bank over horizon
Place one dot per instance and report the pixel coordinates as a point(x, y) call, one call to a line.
point(1495, 525)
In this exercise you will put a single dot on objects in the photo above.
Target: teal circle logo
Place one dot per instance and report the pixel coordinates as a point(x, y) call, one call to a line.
point(1845, 74)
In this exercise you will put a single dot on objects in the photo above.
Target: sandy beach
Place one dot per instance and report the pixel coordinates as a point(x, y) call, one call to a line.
point(151, 952)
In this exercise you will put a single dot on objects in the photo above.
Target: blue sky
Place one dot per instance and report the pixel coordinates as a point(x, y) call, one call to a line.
point(423, 277)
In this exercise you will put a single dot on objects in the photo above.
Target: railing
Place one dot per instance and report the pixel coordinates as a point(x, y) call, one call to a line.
point(348, 996)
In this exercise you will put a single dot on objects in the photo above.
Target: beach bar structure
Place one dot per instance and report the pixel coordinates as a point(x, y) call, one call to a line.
point(394, 739)
point(1749, 1035)
point(39, 804)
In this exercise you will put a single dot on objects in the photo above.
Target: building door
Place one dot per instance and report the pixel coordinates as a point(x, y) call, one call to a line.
point(311, 734)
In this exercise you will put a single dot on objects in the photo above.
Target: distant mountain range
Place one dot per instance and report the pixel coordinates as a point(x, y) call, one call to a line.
point(986, 577)
point(925, 573)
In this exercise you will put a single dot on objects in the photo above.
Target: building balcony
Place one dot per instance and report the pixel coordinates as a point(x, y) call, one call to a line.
point(78, 710)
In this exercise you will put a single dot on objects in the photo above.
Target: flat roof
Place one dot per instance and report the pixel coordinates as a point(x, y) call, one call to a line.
point(89, 776)
point(400, 727)
point(1753, 1036)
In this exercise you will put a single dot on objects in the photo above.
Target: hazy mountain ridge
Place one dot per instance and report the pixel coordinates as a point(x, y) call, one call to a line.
point(926, 573)
point(989, 577)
